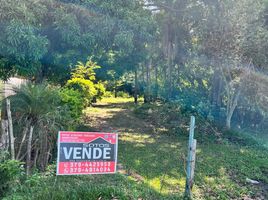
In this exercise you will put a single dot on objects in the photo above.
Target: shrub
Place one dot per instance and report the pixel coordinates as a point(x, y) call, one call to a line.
point(11, 172)
point(3, 155)
point(74, 100)
point(84, 87)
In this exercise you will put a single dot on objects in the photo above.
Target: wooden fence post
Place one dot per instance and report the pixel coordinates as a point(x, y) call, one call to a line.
point(193, 149)
point(191, 155)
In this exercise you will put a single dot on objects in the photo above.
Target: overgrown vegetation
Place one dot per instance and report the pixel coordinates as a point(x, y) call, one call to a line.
point(11, 173)
point(38, 113)
point(82, 61)
point(152, 157)
point(204, 57)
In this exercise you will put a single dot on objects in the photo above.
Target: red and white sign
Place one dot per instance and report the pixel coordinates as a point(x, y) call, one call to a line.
point(86, 153)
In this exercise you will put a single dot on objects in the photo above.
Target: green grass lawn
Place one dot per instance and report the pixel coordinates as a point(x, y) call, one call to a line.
point(152, 158)
point(221, 168)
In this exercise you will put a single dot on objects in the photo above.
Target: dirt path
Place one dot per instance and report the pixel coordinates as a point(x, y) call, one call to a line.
point(116, 117)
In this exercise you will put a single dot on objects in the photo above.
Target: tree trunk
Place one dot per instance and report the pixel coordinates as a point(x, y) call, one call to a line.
point(147, 93)
point(4, 139)
point(156, 83)
point(43, 151)
point(142, 73)
point(22, 141)
point(228, 121)
point(216, 97)
point(144, 82)
point(48, 155)
point(148, 81)
point(10, 126)
point(169, 74)
point(232, 103)
point(35, 157)
point(29, 151)
point(136, 88)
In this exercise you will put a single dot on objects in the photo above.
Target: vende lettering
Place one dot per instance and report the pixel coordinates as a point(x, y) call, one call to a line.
point(86, 153)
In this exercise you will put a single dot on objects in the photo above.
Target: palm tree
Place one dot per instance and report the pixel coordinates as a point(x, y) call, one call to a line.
point(39, 111)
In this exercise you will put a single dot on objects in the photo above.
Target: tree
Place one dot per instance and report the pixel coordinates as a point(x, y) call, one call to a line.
point(223, 36)
point(39, 108)
point(173, 41)
point(83, 80)
point(41, 39)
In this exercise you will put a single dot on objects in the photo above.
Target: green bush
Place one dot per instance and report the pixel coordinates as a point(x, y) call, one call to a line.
point(84, 81)
point(11, 172)
point(84, 87)
point(74, 101)
point(3, 155)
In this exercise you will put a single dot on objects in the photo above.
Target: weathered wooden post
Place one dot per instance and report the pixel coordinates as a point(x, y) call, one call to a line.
point(190, 160)
point(193, 149)
point(10, 128)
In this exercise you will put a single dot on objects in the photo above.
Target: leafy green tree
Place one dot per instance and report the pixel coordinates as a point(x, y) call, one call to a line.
point(44, 38)
point(83, 80)
point(228, 50)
